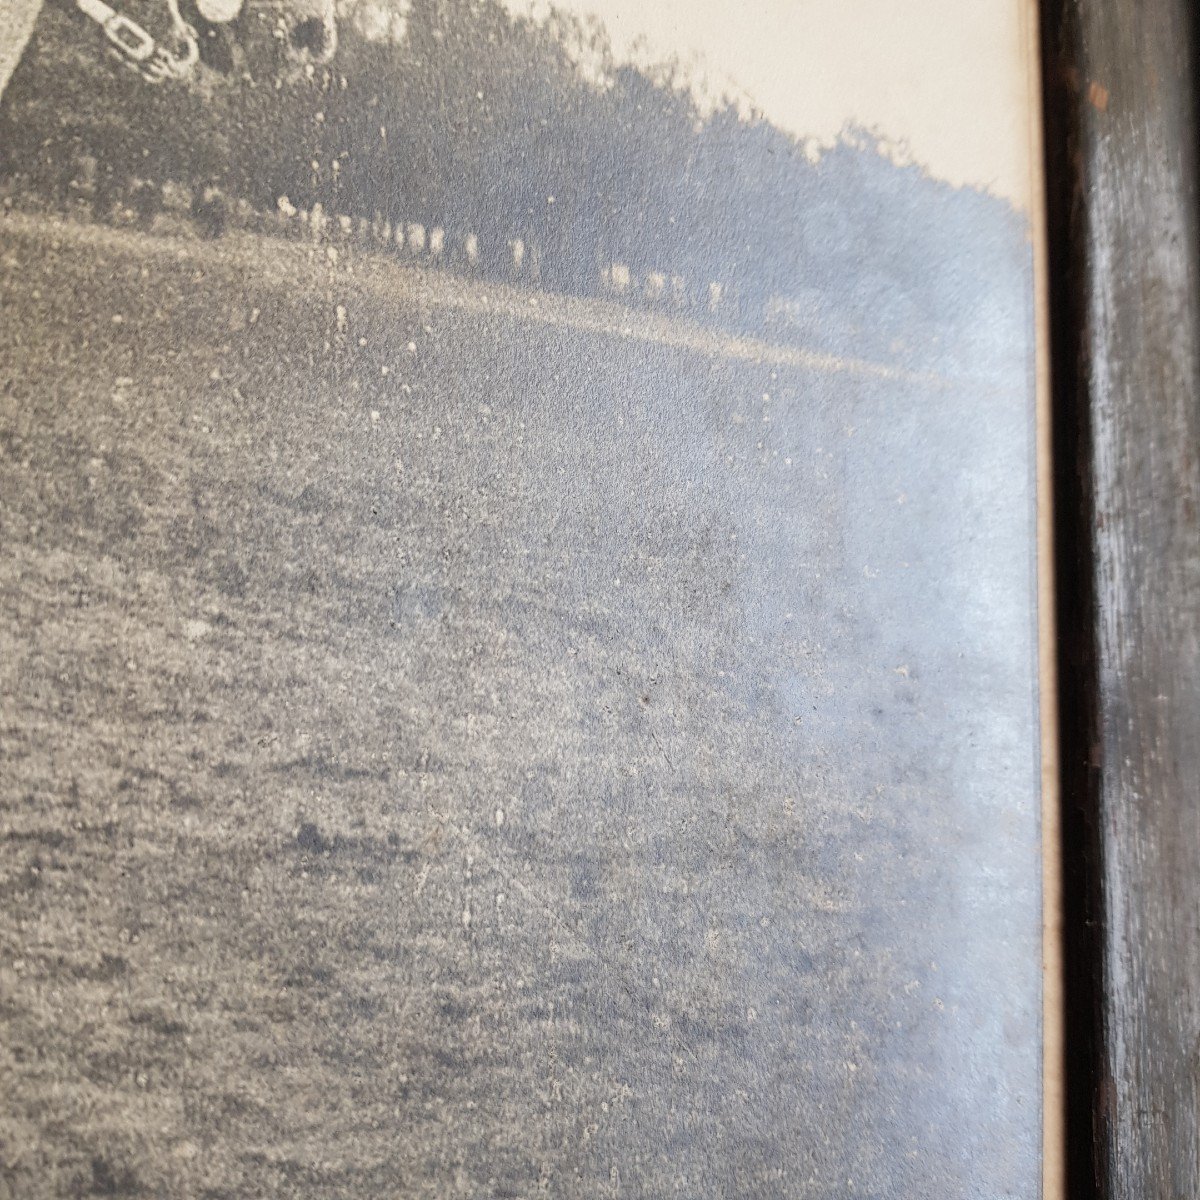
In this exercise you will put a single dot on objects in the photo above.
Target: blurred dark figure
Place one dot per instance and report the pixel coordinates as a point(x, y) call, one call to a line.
point(209, 210)
point(105, 191)
point(147, 200)
point(63, 181)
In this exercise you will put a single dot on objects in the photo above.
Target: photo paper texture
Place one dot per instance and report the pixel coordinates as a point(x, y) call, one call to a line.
point(518, 572)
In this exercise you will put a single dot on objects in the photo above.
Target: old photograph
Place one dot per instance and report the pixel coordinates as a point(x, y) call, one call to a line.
point(518, 600)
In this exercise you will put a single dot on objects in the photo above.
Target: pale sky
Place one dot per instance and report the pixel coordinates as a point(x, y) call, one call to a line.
point(946, 77)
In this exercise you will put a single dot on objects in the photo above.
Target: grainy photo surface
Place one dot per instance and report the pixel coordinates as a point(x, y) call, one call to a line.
point(517, 604)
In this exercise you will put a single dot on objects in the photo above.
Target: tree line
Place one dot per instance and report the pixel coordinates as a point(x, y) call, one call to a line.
point(471, 118)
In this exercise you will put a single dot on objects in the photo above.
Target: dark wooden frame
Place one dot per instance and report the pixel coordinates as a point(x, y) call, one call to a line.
point(1121, 137)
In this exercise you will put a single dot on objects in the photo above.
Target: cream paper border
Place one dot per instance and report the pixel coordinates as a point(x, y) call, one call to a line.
point(1053, 1011)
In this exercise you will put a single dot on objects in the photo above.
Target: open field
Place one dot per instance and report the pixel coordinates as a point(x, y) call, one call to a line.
point(458, 743)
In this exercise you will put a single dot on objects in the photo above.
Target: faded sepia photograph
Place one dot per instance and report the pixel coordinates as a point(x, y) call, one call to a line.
point(518, 600)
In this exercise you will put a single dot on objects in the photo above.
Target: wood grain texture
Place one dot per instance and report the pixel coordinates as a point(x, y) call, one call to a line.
point(1121, 135)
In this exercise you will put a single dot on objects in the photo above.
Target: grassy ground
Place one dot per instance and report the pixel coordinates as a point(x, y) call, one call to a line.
point(444, 752)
